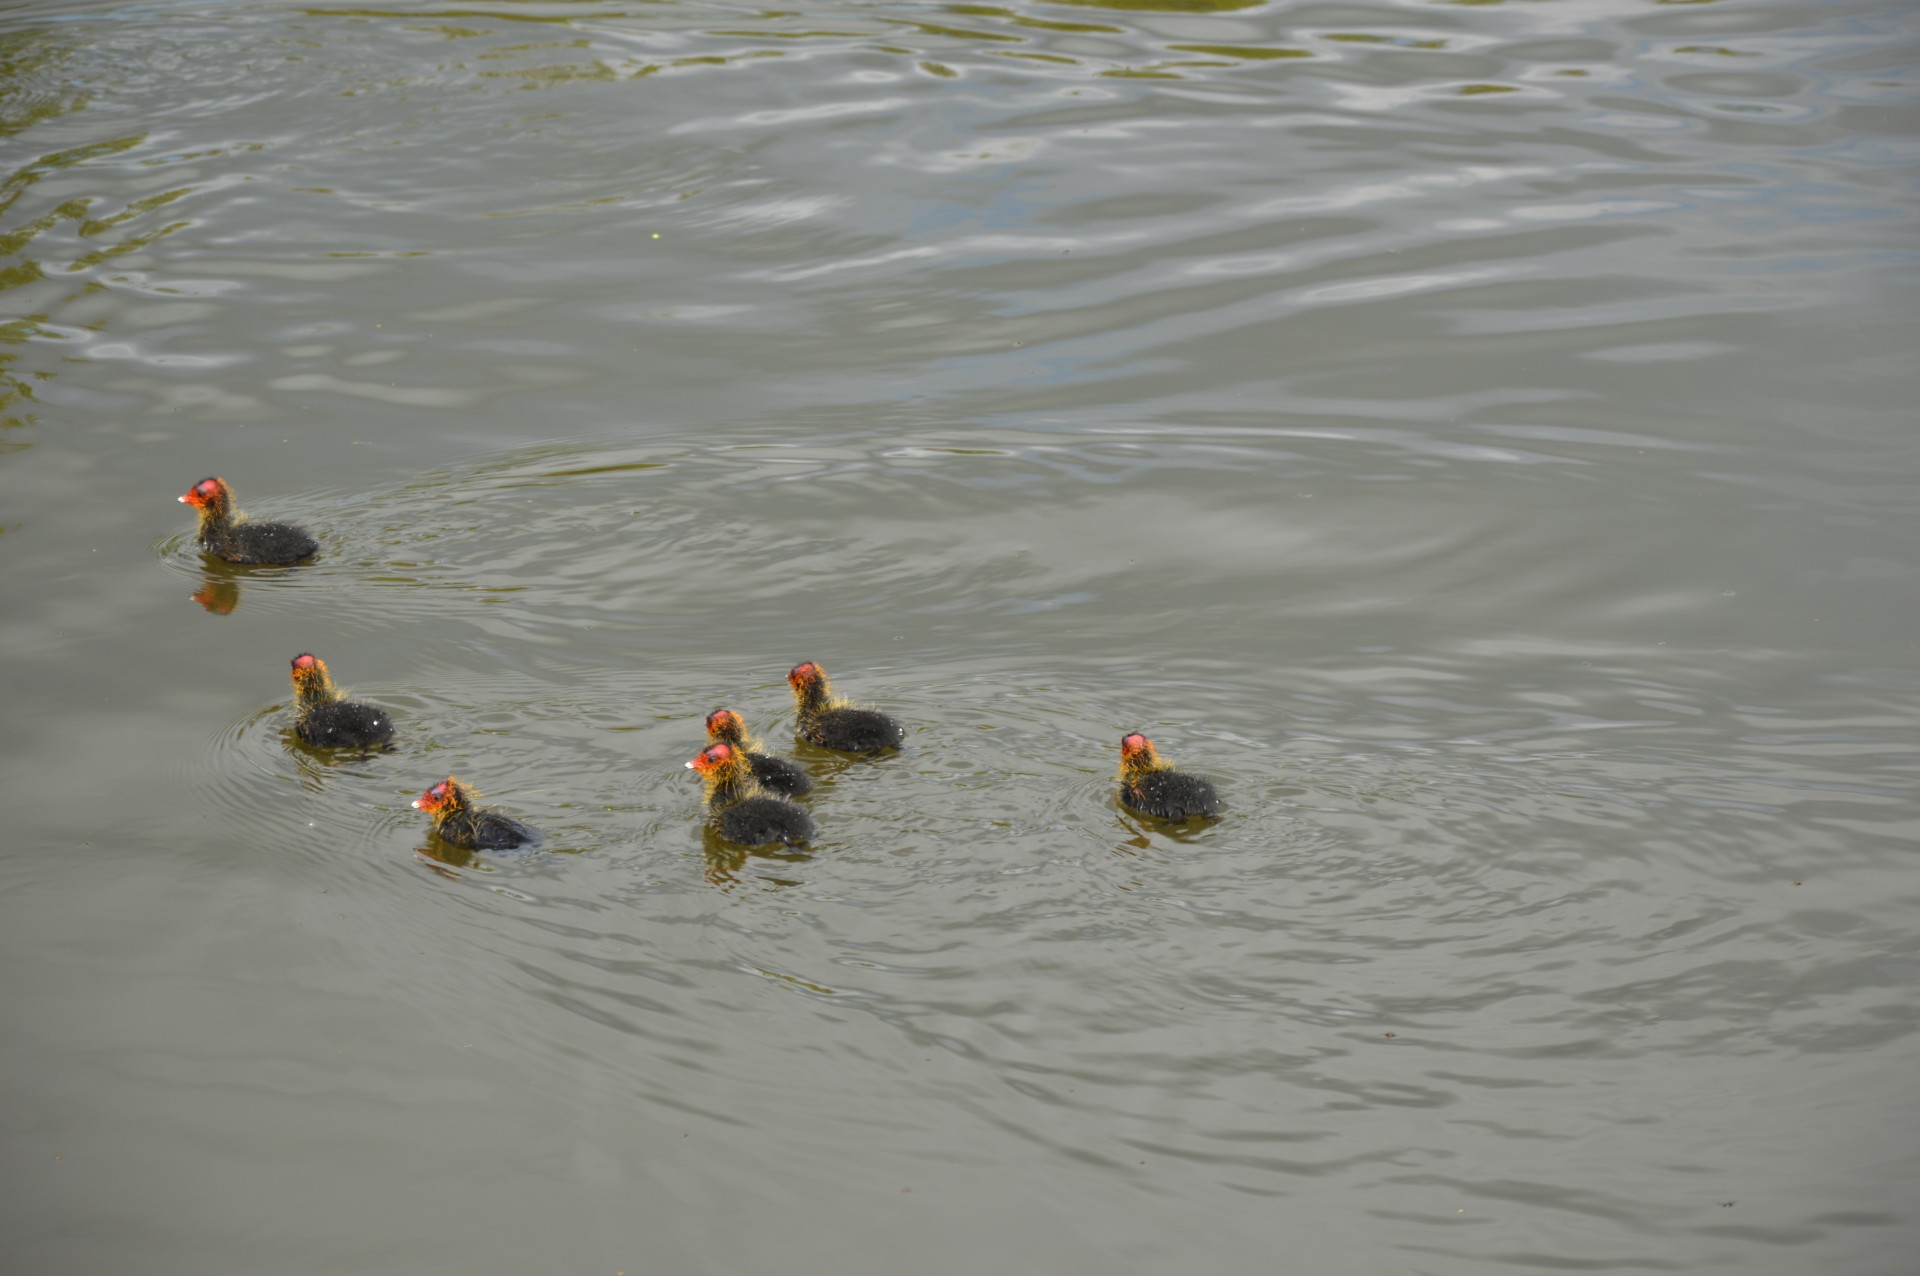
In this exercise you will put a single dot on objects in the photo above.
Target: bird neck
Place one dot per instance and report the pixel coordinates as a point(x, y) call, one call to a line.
point(739, 741)
point(316, 691)
point(215, 520)
point(731, 783)
point(814, 699)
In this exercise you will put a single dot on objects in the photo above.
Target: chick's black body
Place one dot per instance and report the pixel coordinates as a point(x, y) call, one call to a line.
point(1171, 795)
point(852, 730)
point(763, 820)
point(478, 830)
point(345, 724)
point(258, 542)
point(781, 776)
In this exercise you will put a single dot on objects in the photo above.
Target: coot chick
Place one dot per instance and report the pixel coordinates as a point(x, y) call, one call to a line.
point(226, 533)
point(1153, 787)
point(742, 811)
point(457, 820)
point(777, 775)
point(832, 723)
point(327, 719)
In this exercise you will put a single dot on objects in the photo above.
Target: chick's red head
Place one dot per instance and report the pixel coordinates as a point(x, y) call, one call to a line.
point(440, 797)
point(712, 759)
point(209, 494)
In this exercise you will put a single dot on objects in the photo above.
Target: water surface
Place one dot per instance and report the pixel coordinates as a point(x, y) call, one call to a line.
point(1480, 436)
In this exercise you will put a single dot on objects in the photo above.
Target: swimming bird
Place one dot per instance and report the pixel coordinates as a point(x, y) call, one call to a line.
point(1151, 785)
point(833, 723)
point(227, 533)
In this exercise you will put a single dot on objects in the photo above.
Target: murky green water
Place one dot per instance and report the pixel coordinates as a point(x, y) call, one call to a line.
point(1481, 436)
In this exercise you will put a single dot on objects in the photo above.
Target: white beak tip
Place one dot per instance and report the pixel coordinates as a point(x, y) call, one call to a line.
point(416, 805)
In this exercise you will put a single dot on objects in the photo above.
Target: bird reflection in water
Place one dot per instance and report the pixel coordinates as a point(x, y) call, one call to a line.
point(220, 580)
point(443, 857)
point(219, 590)
point(727, 861)
point(318, 767)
